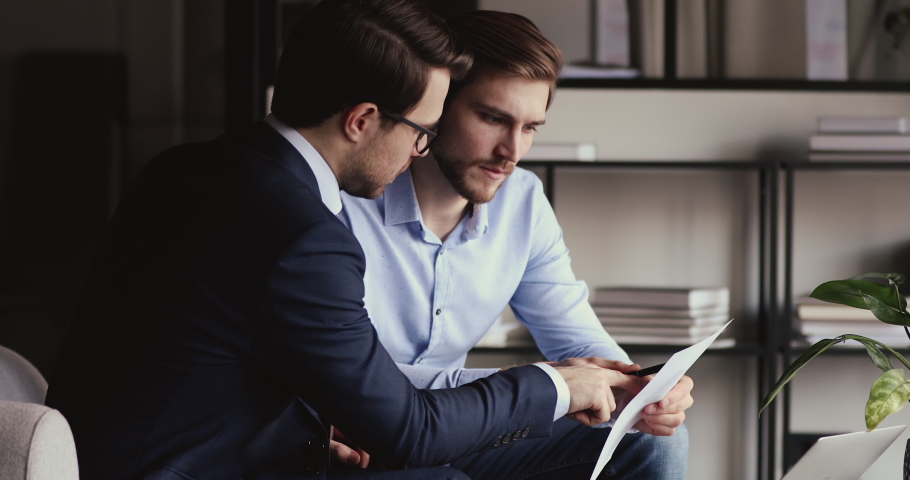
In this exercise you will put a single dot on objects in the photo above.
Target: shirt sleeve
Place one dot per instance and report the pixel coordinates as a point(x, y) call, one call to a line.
point(551, 302)
point(562, 391)
point(435, 378)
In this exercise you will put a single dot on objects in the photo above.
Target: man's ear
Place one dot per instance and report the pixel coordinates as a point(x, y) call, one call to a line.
point(361, 121)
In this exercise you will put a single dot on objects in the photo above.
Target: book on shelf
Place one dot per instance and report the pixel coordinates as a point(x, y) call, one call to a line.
point(833, 312)
point(860, 143)
point(611, 32)
point(826, 39)
point(859, 156)
point(606, 311)
point(891, 341)
point(687, 331)
point(892, 125)
point(713, 321)
point(857, 327)
point(646, 38)
point(813, 309)
point(652, 340)
point(685, 298)
point(584, 151)
point(586, 70)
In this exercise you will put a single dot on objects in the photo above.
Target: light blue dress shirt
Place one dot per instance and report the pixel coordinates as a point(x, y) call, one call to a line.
point(431, 301)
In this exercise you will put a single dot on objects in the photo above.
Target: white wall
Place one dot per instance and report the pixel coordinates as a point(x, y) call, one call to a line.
point(702, 125)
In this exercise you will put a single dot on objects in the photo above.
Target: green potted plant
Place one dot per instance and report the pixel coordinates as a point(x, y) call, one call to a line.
point(891, 390)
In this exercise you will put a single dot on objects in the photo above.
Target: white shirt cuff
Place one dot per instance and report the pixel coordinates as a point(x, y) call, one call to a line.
point(562, 390)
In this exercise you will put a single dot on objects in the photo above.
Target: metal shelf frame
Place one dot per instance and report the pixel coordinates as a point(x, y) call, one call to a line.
point(787, 350)
point(766, 349)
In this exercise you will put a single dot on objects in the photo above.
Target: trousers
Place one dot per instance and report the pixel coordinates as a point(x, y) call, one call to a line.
point(570, 452)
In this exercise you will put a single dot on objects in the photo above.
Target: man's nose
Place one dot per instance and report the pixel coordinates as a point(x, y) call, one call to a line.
point(509, 147)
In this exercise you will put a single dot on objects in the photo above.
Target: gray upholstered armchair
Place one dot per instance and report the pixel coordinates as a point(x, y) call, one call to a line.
point(35, 441)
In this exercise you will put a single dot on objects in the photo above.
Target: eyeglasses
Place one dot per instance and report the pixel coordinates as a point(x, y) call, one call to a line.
point(424, 136)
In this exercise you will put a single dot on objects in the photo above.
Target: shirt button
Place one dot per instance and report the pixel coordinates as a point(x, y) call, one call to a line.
point(442, 252)
point(438, 311)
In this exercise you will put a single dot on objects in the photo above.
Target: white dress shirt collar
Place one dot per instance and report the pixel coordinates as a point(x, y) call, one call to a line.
point(325, 177)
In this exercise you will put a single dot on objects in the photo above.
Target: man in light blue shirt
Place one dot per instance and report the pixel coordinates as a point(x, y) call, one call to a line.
point(463, 233)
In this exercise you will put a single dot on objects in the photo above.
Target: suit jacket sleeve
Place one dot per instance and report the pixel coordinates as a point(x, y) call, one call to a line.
point(312, 330)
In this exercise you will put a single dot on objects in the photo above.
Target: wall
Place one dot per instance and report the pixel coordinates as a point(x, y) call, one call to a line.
point(174, 51)
point(703, 125)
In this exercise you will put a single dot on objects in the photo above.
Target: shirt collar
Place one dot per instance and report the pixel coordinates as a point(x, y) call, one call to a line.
point(400, 202)
point(325, 178)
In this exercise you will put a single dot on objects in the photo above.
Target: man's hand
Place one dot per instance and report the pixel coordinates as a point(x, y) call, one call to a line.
point(345, 454)
point(663, 417)
point(590, 385)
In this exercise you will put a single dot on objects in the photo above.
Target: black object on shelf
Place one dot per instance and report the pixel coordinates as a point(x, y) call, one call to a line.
point(670, 24)
point(250, 61)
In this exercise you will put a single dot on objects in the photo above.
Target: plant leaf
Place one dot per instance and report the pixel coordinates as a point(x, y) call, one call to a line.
point(884, 312)
point(880, 345)
point(847, 292)
point(892, 278)
point(797, 364)
point(878, 358)
point(889, 393)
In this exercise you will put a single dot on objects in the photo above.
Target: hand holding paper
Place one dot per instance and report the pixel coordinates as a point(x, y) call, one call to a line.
point(655, 391)
point(664, 417)
point(591, 398)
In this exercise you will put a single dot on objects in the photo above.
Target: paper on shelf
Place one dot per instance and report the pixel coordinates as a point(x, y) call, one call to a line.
point(654, 391)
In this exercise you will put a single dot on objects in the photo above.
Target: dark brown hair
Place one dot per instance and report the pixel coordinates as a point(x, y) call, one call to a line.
point(506, 44)
point(346, 52)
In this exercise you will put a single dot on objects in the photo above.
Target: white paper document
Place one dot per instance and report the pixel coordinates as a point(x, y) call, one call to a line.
point(654, 391)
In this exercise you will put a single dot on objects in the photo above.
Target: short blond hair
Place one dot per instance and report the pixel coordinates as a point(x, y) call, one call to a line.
point(506, 44)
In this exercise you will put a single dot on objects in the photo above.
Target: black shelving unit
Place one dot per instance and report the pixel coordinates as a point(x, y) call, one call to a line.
point(765, 350)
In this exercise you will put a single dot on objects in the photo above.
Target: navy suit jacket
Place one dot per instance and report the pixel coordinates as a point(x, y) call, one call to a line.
point(222, 330)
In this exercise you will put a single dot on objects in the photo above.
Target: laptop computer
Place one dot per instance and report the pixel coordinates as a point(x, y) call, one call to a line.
point(844, 457)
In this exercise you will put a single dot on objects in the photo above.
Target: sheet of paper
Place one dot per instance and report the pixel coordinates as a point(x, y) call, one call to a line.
point(654, 391)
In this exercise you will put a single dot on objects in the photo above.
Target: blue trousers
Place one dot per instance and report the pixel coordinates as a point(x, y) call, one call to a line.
point(570, 452)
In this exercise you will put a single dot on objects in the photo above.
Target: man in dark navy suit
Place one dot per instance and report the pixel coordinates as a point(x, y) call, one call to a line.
point(222, 334)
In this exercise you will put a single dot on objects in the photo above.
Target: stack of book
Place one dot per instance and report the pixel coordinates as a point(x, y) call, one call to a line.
point(818, 320)
point(861, 139)
point(663, 316)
